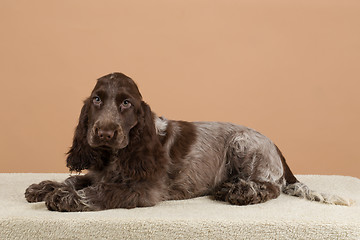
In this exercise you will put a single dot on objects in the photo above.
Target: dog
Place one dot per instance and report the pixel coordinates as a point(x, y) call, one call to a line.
point(136, 159)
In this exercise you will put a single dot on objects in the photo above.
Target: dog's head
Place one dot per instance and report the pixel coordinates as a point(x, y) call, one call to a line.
point(111, 117)
point(115, 107)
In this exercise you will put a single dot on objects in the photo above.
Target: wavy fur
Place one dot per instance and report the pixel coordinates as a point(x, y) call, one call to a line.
point(136, 159)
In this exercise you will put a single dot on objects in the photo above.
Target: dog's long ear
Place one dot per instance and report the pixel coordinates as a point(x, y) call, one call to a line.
point(81, 155)
point(148, 120)
point(146, 143)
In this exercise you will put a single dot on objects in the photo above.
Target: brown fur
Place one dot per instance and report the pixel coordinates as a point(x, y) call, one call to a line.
point(240, 192)
point(288, 175)
point(130, 164)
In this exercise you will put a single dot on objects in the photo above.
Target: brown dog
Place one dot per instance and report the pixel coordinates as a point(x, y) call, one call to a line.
point(136, 159)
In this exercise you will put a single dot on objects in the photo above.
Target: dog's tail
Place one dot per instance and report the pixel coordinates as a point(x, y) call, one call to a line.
point(298, 189)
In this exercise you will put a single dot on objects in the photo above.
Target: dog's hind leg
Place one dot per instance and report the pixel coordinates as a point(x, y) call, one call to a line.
point(255, 171)
point(238, 191)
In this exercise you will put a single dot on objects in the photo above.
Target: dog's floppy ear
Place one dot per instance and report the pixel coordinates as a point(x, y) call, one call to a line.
point(148, 119)
point(81, 155)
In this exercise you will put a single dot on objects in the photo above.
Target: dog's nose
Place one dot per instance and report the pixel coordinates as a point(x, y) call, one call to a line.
point(106, 134)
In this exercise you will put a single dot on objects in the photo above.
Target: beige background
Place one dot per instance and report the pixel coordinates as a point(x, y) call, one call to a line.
point(290, 69)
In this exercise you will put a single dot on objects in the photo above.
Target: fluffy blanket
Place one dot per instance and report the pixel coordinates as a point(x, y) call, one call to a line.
point(200, 218)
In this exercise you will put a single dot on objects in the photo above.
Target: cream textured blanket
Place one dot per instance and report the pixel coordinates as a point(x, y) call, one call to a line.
point(201, 218)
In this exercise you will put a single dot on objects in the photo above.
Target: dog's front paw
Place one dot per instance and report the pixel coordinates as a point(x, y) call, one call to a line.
point(63, 199)
point(37, 192)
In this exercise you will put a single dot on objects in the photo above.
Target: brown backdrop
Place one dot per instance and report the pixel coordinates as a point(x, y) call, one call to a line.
point(289, 69)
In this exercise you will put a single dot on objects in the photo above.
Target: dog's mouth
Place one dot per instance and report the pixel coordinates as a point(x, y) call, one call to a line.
point(117, 141)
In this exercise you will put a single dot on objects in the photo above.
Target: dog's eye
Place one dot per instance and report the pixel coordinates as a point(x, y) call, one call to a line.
point(96, 100)
point(126, 104)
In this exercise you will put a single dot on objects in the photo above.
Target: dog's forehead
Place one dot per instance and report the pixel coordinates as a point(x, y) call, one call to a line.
point(118, 82)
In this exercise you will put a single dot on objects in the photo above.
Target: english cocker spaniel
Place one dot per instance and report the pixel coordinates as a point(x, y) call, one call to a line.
point(136, 159)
